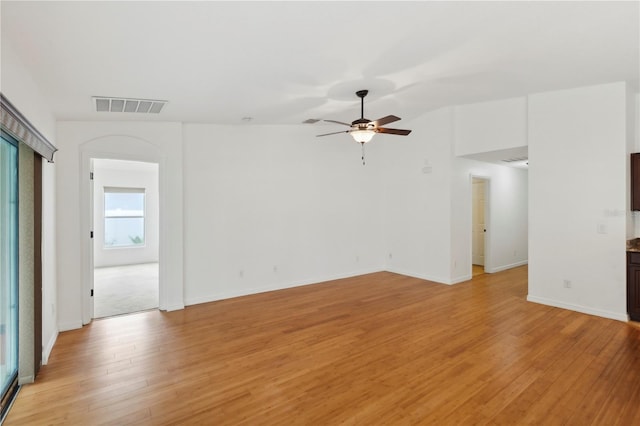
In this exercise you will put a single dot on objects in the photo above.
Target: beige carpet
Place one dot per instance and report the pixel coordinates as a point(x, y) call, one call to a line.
point(125, 289)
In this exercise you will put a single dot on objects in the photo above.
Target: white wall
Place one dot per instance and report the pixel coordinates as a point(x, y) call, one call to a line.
point(506, 238)
point(110, 173)
point(417, 183)
point(135, 141)
point(268, 207)
point(428, 205)
point(21, 90)
point(577, 158)
point(490, 126)
point(49, 261)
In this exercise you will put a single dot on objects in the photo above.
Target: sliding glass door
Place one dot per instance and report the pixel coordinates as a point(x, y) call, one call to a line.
point(8, 268)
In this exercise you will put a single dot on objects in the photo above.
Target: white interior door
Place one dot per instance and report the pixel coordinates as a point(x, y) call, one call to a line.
point(478, 224)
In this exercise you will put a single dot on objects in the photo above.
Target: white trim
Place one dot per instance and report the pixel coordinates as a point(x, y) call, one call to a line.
point(505, 267)
point(487, 219)
point(461, 279)
point(170, 308)
point(48, 348)
point(71, 325)
point(255, 290)
point(24, 380)
point(86, 155)
point(620, 316)
point(437, 280)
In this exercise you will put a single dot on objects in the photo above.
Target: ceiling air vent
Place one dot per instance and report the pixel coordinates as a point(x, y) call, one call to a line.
point(515, 159)
point(151, 106)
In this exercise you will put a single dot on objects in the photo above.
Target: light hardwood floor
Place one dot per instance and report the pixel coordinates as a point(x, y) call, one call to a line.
point(375, 349)
point(477, 270)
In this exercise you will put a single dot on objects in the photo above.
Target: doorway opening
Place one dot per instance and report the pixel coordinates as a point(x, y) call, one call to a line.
point(125, 204)
point(480, 216)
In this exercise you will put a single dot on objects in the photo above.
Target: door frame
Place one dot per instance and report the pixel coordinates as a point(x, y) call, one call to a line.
point(86, 209)
point(487, 221)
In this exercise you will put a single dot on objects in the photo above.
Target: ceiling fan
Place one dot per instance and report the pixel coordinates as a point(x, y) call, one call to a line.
point(363, 129)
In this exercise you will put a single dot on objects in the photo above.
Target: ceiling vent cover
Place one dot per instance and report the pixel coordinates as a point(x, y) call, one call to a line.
point(149, 106)
point(515, 159)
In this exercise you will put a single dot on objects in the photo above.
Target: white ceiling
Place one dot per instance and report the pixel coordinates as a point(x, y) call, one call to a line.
point(284, 62)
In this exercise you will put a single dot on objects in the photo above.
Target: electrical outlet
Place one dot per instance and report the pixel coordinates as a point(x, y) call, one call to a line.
point(566, 284)
point(390, 255)
point(602, 228)
point(357, 259)
point(241, 273)
point(275, 269)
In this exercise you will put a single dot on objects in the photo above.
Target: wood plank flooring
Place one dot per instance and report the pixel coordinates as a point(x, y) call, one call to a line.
point(477, 270)
point(375, 349)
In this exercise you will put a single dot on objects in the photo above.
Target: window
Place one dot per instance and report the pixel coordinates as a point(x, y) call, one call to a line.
point(8, 269)
point(124, 210)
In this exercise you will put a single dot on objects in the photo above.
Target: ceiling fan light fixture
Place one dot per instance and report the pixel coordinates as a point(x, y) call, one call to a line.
point(362, 129)
point(362, 135)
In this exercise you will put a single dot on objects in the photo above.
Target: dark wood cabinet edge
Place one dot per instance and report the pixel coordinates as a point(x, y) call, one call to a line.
point(635, 181)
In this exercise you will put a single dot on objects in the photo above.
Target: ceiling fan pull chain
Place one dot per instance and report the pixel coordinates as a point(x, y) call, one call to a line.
point(362, 143)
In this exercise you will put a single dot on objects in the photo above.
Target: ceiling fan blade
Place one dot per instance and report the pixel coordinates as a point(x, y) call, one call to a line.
point(400, 132)
point(333, 133)
point(385, 120)
point(338, 122)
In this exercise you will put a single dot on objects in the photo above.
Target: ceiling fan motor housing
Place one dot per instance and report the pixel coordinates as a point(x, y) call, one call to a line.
point(361, 122)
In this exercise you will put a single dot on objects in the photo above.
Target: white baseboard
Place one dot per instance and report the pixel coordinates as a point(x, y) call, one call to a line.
point(454, 280)
point(505, 267)
point(620, 316)
point(432, 278)
point(461, 279)
point(48, 348)
point(70, 325)
point(23, 380)
point(255, 290)
point(173, 308)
